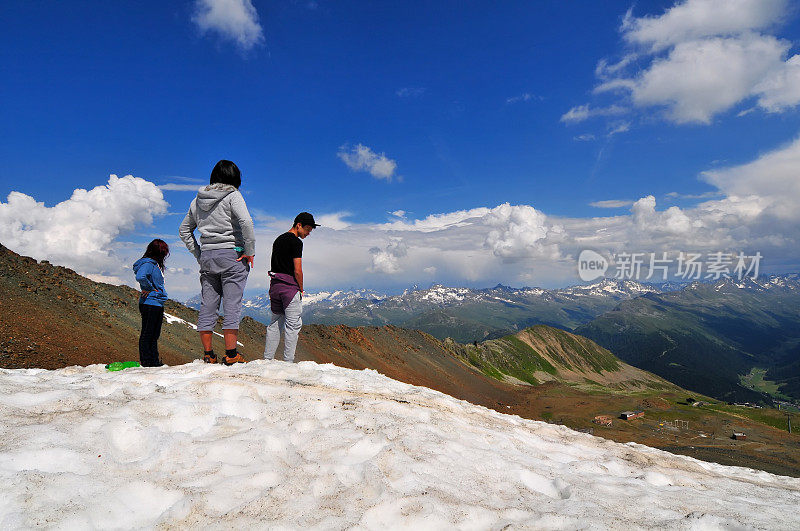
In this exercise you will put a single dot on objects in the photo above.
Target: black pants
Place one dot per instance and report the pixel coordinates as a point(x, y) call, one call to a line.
point(152, 316)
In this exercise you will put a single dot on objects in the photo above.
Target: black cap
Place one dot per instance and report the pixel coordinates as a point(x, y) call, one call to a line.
point(304, 218)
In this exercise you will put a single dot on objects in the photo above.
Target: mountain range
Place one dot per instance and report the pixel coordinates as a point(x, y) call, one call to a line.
point(462, 314)
point(705, 336)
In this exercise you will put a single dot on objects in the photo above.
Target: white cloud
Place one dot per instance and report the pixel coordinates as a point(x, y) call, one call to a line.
point(81, 231)
point(780, 90)
point(334, 221)
point(773, 179)
point(520, 232)
point(701, 58)
point(436, 222)
point(180, 187)
point(362, 158)
point(584, 137)
point(236, 20)
point(398, 214)
point(386, 259)
point(699, 79)
point(755, 211)
point(584, 112)
point(695, 19)
point(604, 69)
point(611, 203)
point(614, 128)
point(519, 244)
point(704, 195)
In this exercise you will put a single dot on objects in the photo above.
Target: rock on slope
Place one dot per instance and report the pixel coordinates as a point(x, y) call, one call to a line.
point(270, 444)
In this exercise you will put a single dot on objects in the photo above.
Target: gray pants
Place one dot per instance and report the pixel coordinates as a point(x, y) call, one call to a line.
point(221, 277)
point(289, 325)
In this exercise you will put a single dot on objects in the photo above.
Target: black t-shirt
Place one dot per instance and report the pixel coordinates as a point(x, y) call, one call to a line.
point(286, 248)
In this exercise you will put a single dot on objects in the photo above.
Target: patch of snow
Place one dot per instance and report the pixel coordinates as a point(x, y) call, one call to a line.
point(441, 294)
point(172, 319)
point(272, 444)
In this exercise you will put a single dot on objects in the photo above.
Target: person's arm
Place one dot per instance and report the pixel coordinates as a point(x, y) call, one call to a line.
point(186, 232)
point(157, 279)
point(242, 215)
point(146, 280)
point(298, 273)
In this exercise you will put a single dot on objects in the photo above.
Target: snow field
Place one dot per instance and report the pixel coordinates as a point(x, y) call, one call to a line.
point(270, 444)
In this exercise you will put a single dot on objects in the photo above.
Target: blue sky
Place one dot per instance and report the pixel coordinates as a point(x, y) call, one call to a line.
point(438, 112)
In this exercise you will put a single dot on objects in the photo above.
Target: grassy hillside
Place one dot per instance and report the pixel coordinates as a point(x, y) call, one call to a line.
point(542, 353)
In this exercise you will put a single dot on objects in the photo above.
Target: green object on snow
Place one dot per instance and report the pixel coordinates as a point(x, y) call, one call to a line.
point(121, 365)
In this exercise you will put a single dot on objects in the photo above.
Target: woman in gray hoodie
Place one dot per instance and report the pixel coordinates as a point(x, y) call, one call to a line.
point(225, 254)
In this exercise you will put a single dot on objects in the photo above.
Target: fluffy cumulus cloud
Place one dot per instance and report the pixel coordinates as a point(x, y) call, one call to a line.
point(81, 231)
point(386, 259)
point(521, 232)
point(701, 58)
point(235, 20)
point(362, 158)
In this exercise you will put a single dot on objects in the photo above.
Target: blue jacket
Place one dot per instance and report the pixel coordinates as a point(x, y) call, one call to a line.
point(150, 279)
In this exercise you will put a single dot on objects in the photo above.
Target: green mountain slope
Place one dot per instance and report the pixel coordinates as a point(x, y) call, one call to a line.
point(543, 353)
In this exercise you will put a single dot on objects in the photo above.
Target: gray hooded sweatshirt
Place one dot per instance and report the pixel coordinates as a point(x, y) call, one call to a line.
point(220, 214)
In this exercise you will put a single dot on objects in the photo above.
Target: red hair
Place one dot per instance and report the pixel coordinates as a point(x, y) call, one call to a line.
point(158, 250)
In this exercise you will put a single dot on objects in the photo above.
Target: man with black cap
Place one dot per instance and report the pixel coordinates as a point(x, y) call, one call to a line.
point(286, 287)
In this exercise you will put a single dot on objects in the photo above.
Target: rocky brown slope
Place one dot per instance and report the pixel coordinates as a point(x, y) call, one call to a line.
point(52, 317)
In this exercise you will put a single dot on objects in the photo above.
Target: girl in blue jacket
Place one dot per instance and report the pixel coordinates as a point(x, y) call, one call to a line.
point(149, 271)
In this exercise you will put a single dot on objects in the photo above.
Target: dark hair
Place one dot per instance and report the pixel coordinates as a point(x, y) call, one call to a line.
point(226, 172)
point(158, 250)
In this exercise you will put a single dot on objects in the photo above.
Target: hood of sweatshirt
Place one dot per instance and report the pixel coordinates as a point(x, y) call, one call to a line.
point(208, 197)
point(140, 262)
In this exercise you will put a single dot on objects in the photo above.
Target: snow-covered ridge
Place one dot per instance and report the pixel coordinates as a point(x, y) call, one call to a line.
point(329, 299)
point(270, 444)
point(444, 296)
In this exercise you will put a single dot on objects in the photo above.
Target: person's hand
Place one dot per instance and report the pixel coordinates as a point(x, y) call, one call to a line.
point(248, 259)
point(145, 293)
